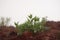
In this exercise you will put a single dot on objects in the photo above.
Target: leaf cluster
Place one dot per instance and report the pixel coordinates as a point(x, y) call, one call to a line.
point(32, 24)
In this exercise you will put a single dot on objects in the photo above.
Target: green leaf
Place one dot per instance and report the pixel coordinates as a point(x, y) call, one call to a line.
point(36, 18)
point(30, 16)
point(16, 24)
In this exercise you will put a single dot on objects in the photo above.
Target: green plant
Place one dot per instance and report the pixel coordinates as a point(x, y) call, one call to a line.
point(4, 21)
point(32, 24)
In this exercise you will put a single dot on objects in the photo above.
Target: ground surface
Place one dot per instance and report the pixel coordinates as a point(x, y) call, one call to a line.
point(10, 33)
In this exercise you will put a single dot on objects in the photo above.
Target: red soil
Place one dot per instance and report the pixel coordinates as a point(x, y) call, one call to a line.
point(10, 33)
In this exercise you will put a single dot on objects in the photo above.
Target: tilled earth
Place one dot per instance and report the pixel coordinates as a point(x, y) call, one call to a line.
point(10, 33)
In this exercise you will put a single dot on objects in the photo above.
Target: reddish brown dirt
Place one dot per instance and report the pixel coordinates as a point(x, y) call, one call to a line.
point(10, 33)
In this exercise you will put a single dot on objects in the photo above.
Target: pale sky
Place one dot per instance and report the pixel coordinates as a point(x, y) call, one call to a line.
point(18, 10)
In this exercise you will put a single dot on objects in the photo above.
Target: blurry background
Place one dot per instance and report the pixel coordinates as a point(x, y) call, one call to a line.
point(18, 10)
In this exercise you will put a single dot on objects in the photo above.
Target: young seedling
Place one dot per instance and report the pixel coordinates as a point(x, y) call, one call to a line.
point(4, 21)
point(33, 24)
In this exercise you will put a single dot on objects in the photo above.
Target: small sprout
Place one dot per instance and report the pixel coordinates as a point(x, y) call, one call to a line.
point(16, 24)
point(43, 21)
point(7, 21)
point(4, 21)
point(32, 24)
